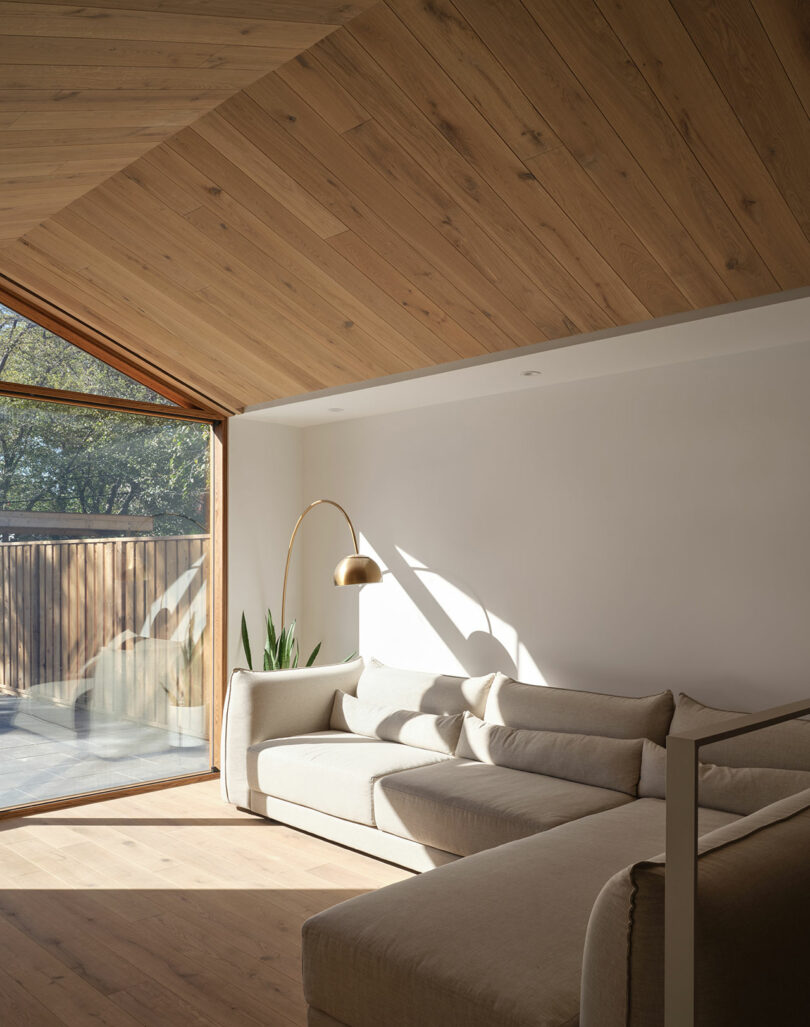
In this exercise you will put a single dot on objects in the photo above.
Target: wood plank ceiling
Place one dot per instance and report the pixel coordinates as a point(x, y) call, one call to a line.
point(86, 90)
point(438, 180)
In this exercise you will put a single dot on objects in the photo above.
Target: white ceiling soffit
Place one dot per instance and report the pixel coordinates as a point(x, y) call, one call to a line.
point(779, 320)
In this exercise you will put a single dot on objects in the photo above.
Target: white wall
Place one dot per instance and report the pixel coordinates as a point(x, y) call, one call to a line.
point(265, 496)
point(624, 534)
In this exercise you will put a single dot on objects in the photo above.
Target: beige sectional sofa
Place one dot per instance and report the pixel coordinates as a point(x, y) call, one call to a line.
point(554, 798)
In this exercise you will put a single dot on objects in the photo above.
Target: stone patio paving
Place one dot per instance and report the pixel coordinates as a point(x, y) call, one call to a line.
point(41, 759)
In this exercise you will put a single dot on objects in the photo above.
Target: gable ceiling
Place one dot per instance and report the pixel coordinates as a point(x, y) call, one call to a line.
point(86, 90)
point(432, 181)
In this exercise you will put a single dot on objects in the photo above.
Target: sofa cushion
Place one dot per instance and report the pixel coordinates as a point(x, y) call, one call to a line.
point(785, 746)
point(435, 731)
point(589, 759)
point(494, 940)
point(751, 936)
point(741, 790)
point(419, 690)
point(542, 708)
point(463, 807)
point(330, 771)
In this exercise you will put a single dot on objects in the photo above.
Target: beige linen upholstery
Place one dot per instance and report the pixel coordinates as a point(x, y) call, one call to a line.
point(271, 705)
point(494, 940)
point(402, 851)
point(542, 708)
point(330, 770)
point(463, 807)
point(785, 746)
point(589, 759)
point(741, 790)
point(420, 690)
point(438, 732)
point(752, 939)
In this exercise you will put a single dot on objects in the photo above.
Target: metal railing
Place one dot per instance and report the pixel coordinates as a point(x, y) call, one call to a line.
point(682, 851)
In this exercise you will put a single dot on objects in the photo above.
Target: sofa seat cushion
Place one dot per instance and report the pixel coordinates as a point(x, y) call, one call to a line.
point(462, 806)
point(494, 940)
point(331, 771)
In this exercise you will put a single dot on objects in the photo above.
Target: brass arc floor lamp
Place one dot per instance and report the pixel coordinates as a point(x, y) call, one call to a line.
point(354, 569)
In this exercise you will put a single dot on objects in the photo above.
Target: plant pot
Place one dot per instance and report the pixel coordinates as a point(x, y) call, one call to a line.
point(9, 704)
point(188, 726)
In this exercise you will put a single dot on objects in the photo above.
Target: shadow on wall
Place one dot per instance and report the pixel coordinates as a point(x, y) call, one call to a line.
point(479, 640)
point(432, 603)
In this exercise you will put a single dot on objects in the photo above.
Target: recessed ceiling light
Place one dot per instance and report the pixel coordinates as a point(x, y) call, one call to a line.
point(336, 410)
point(530, 374)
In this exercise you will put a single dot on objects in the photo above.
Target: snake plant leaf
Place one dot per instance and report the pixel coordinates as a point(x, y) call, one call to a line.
point(313, 654)
point(246, 643)
point(350, 657)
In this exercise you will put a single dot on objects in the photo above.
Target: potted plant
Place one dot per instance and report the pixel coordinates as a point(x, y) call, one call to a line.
point(186, 710)
point(281, 652)
point(9, 704)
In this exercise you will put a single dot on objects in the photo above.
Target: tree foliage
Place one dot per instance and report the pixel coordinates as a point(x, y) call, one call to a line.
point(69, 459)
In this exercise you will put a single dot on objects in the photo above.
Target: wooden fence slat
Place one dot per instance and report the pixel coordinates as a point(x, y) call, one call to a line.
point(63, 602)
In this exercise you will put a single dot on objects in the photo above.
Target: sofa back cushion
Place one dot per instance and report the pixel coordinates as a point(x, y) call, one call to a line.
point(751, 938)
point(437, 732)
point(740, 790)
point(542, 708)
point(589, 759)
point(420, 690)
point(786, 746)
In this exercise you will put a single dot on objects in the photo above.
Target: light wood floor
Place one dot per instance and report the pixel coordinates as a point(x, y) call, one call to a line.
point(168, 908)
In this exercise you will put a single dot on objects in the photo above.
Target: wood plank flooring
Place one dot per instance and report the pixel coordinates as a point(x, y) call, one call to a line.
point(163, 909)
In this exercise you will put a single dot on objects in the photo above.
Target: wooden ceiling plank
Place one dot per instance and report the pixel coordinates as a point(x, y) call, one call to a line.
point(338, 108)
point(258, 214)
point(733, 42)
point(47, 137)
point(333, 12)
point(496, 319)
point(462, 53)
point(137, 118)
point(113, 280)
point(431, 198)
point(787, 23)
point(403, 238)
point(27, 19)
point(26, 101)
point(515, 38)
point(362, 353)
point(316, 350)
point(139, 336)
point(429, 150)
point(596, 56)
point(128, 53)
point(122, 79)
point(566, 180)
point(519, 214)
point(181, 246)
point(238, 148)
point(662, 49)
point(469, 237)
point(182, 310)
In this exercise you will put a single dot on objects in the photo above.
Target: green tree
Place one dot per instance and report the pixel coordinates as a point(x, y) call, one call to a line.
point(56, 457)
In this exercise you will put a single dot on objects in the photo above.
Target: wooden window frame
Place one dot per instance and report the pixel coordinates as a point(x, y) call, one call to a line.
point(189, 406)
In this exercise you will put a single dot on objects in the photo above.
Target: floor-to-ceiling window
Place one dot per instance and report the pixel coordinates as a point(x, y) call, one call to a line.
point(106, 591)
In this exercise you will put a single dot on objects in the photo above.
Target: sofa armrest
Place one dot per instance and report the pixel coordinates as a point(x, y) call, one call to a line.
point(275, 704)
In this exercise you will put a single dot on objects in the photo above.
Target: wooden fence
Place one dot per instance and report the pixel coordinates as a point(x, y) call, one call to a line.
point(62, 603)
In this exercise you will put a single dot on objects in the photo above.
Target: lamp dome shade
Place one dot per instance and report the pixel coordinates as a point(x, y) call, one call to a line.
point(357, 570)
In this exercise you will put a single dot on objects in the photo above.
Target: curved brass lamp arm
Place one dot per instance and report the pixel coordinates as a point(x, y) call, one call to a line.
point(317, 502)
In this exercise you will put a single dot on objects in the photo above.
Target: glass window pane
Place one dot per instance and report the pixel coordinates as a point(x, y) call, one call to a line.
point(105, 652)
point(32, 355)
